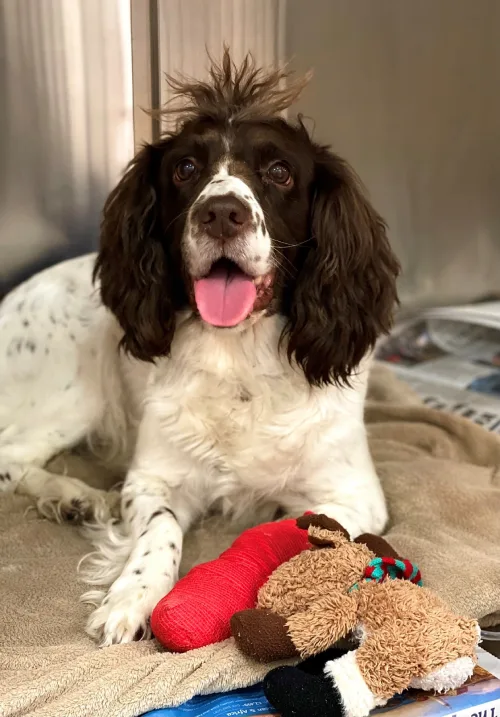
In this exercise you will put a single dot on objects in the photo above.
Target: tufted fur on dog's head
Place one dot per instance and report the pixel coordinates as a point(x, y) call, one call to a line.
point(237, 215)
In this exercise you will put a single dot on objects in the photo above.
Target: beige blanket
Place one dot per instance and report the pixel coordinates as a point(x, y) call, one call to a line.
point(441, 479)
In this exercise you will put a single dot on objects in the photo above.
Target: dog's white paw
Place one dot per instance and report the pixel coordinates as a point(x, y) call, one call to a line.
point(68, 499)
point(123, 615)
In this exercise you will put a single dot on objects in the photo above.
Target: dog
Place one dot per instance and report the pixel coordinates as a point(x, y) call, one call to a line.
point(217, 348)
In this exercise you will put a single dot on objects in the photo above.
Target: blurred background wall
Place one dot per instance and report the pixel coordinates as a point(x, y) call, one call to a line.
point(65, 125)
point(407, 91)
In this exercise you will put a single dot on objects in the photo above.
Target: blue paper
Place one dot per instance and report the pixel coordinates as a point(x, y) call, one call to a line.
point(239, 703)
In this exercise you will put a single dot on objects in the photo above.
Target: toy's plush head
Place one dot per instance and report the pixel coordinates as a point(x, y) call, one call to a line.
point(332, 566)
point(334, 563)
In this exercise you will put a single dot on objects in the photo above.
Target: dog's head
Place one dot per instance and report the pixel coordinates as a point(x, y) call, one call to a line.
point(238, 215)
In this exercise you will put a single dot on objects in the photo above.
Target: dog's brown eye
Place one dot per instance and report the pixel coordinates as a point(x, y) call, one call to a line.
point(279, 173)
point(184, 170)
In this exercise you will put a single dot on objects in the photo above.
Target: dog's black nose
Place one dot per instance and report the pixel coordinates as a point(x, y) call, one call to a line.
point(224, 217)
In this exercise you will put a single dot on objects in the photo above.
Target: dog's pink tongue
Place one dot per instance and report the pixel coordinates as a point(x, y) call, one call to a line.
point(225, 297)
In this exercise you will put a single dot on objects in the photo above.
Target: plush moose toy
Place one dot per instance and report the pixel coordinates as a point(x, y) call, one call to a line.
point(406, 635)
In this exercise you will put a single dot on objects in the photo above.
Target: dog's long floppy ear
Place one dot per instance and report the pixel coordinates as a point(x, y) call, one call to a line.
point(345, 291)
point(132, 265)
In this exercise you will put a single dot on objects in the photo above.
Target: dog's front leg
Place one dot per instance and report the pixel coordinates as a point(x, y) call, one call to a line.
point(343, 484)
point(156, 511)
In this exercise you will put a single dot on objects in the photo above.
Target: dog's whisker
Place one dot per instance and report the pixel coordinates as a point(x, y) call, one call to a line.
point(278, 265)
point(283, 256)
point(284, 245)
point(181, 214)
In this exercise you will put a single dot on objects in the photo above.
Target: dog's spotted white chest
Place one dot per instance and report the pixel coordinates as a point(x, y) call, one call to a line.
point(238, 413)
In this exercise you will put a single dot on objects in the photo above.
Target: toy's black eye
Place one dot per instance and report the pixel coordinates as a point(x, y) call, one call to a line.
point(279, 173)
point(185, 169)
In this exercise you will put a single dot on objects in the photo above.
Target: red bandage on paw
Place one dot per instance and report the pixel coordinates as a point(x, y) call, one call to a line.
point(197, 612)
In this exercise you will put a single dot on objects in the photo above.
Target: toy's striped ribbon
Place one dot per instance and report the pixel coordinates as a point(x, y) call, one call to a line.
point(380, 569)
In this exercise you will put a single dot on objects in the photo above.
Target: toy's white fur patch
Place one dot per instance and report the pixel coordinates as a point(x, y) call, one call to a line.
point(448, 677)
point(358, 700)
point(359, 633)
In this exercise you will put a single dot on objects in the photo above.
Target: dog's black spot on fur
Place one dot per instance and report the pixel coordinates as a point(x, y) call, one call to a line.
point(26, 323)
point(148, 552)
point(172, 546)
point(137, 572)
point(128, 503)
point(164, 509)
point(161, 511)
point(143, 533)
point(155, 515)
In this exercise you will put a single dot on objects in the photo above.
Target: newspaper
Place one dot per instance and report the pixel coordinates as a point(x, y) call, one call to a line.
point(451, 358)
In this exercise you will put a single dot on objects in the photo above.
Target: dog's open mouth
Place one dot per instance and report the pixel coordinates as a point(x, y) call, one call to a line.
point(227, 296)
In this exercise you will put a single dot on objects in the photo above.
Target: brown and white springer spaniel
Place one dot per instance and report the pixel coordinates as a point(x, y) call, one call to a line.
point(246, 277)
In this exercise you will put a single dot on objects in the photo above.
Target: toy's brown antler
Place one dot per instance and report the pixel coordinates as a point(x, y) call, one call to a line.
point(378, 545)
point(324, 525)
